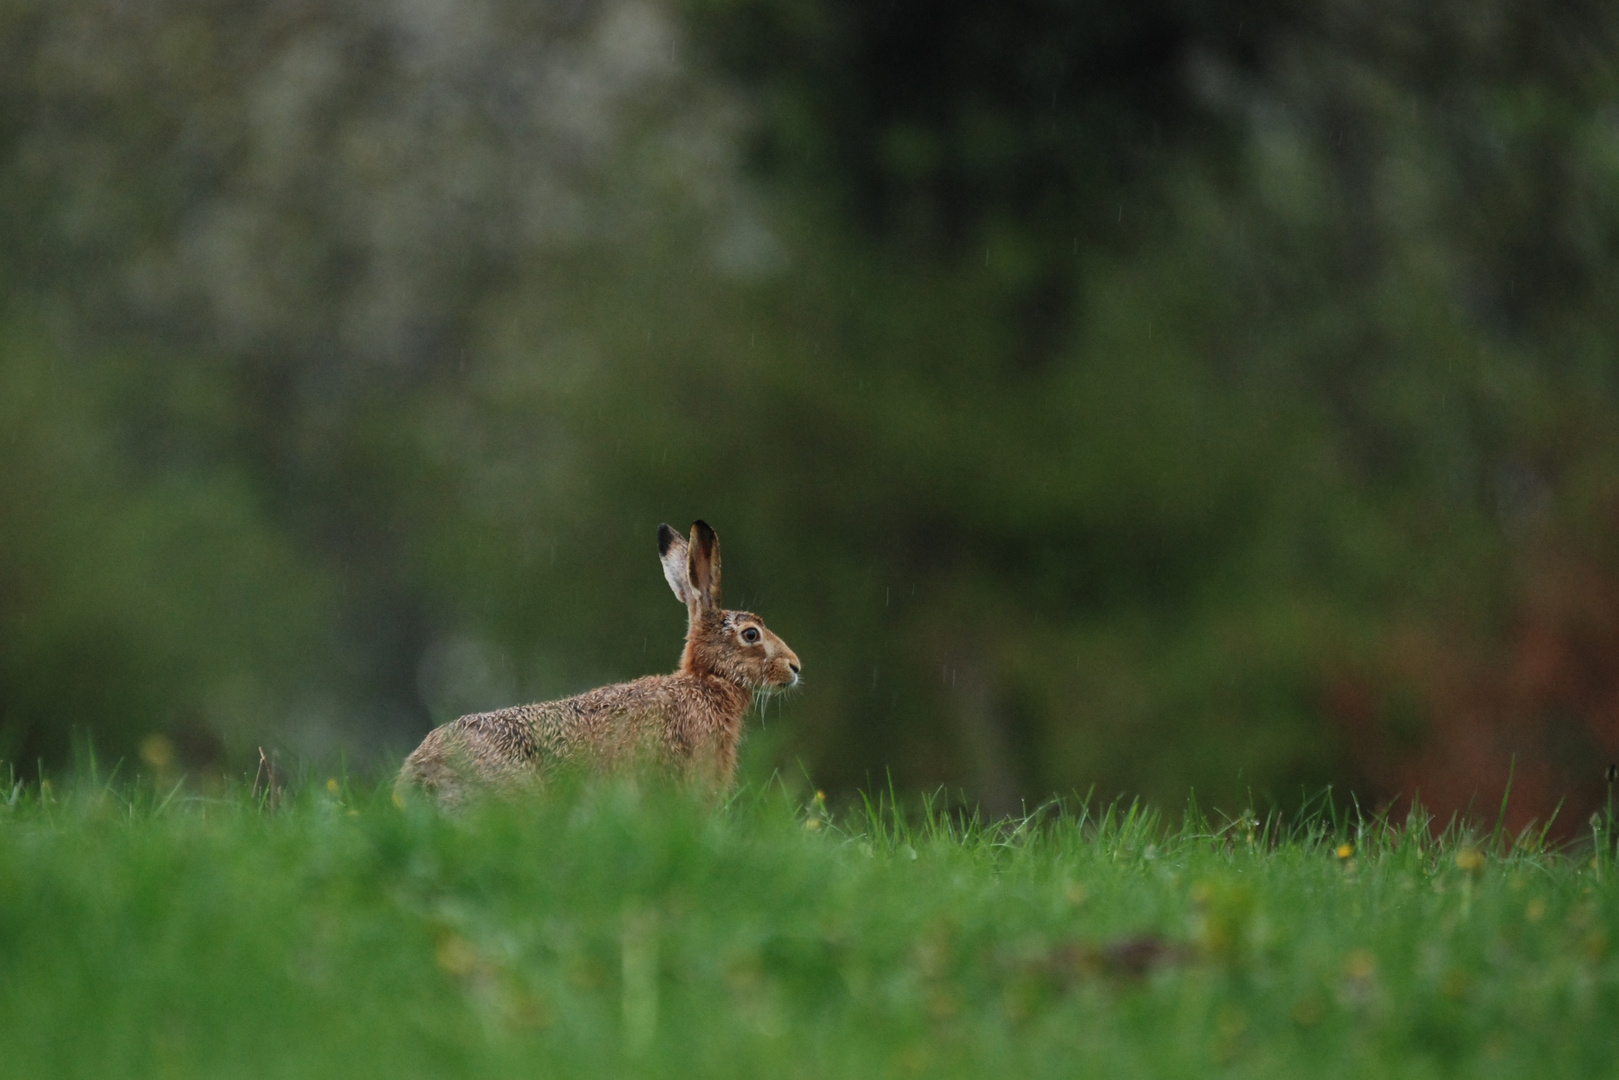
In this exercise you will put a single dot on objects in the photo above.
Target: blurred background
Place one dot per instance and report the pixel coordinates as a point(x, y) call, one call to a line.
point(1142, 397)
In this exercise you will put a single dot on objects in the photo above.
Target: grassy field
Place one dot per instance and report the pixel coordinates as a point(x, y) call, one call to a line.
point(612, 932)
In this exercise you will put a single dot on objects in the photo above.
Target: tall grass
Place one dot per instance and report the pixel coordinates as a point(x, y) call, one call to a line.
point(314, 928)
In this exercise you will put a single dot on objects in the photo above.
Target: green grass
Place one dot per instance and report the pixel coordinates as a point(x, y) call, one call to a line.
point(612, 932)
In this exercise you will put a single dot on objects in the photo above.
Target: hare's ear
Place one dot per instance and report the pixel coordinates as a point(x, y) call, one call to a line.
point(703, 569)
point(672, 553)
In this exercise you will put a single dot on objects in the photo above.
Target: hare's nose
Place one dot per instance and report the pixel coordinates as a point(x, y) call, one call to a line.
point(794, 665)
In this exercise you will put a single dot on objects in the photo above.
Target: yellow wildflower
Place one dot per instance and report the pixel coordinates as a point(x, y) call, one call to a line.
point(456, 955)
point(157, 751)
point(1360, 964)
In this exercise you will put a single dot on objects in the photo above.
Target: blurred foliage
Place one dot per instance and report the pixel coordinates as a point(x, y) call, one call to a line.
point(134, 560)
point(1169, 397)
point(1016, 129)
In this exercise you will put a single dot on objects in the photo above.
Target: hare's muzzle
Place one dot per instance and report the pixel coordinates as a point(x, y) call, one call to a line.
point(783, 663)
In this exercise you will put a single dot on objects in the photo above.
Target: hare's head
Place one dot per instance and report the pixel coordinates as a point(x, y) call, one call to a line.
point(735, 645)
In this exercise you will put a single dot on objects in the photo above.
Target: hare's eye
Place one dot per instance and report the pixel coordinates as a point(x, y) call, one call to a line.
point(751, 635)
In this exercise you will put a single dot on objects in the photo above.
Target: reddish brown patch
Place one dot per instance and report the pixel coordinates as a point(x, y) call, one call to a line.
point(1446, 715)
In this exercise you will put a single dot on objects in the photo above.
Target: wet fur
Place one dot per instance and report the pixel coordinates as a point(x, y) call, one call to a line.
point(685, 725)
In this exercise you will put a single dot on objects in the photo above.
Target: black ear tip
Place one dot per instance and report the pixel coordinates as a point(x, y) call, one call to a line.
point(700, 527)
point(666, 538)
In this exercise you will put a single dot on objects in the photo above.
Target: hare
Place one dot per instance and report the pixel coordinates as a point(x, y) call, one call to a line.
point(686, 724)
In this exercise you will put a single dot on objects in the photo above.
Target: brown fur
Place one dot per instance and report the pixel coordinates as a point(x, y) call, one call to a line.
point(687, 724)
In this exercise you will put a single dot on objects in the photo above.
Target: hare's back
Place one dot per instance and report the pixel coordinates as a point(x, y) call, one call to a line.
point(600, 725)
point(655, 718)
